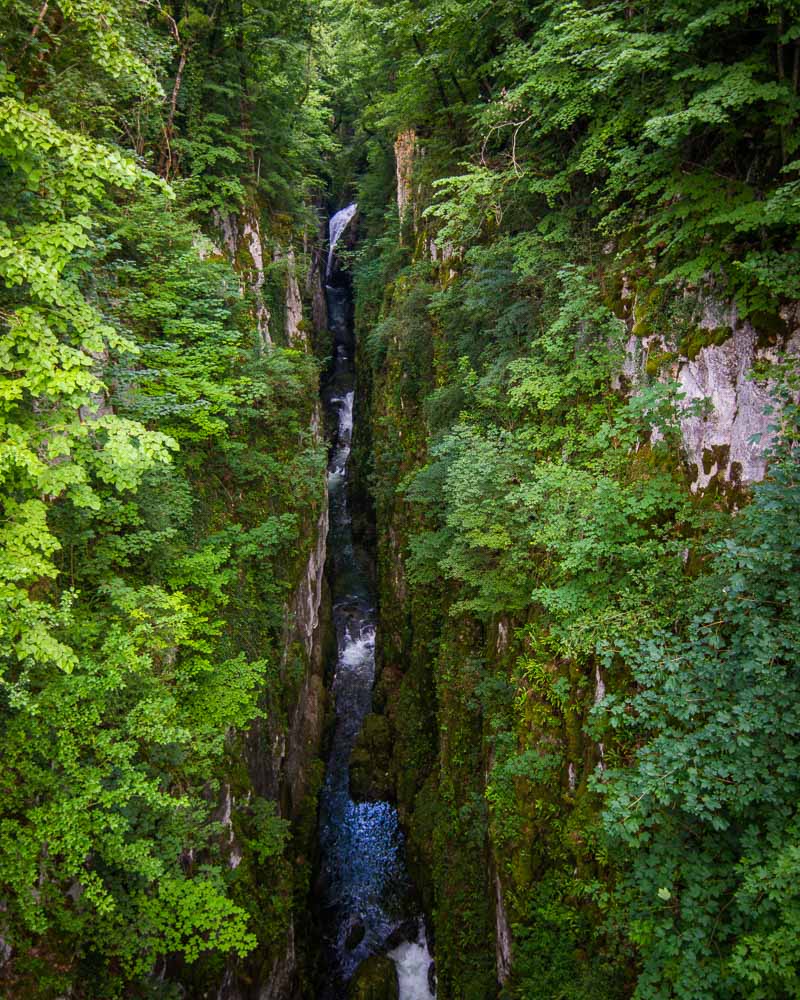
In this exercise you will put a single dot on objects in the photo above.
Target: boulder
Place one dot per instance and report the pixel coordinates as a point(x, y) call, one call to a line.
point(370, 762)
point(375, 979)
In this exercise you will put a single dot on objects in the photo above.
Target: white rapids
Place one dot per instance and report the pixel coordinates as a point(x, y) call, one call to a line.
point(412, 960)
point(366, 901)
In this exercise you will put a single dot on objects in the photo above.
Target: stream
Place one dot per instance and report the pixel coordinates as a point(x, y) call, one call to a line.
point(367, 901)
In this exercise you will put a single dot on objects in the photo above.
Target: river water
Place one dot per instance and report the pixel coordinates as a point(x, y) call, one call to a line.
point(367, 902)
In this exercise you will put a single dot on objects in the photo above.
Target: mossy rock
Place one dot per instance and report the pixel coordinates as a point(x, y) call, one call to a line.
point(658, 360)
point(719, 455)
point(375, 979)
point(771, 328)
point(648, 304)
point(612, 297)
point(693, 342)
point(371, 777)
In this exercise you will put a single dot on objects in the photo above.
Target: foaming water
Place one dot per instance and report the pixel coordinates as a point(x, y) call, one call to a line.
point(366, 896)
point(336, 227)
point(337, 466)
point(414, 973)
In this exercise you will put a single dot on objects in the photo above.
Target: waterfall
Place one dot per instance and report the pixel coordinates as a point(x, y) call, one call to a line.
point(414, 973)
point(337, 226)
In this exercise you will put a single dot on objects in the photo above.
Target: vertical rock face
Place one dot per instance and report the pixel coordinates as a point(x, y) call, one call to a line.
point(502, 933)
point(305, 727)
point(281, 773)
point(319, 307)
point(731, 442)
point(242, 238)
point(278, 312)
point(251, 232)
point(281, 755)
point(279, 981)
point(295, 335)
point(308, 598)
point(725, 436)
point(726, 430)
point(404, 149)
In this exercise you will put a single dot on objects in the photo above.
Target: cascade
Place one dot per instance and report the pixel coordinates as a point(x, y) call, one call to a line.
point(365, 896)
point(336, 227)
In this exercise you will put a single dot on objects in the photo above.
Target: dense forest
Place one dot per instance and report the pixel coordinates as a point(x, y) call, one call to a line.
point(574, 279)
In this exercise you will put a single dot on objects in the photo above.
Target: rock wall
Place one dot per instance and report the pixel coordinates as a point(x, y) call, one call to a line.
point(503, 943)
point(295, 332)
point(726, 431)
point(244, 243)
point(404, 151)
point(282, 758)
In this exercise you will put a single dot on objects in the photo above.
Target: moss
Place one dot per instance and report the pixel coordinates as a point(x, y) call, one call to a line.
point(304, 828)
point(725, 494)
point(375, 979)
point(612, 296)
point(421, 826)
point(658, 360)
point(696, 338)
point(648, 303)
point(771, 328)
point(447, 692)
point(413, 714)
point(370, 761)
point(463, 916)
point(719, 455)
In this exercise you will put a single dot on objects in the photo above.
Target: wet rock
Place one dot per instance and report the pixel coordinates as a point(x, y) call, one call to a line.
point(355, 936)
point(370, 762)
point(375, 979)
point(407, 931)
point(432, 978)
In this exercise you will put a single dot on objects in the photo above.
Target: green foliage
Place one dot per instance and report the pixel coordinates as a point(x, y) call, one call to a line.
point(251, 116)
point(508, 498)
point(53, 340)
point(100, 758)
point(549, 961)
point(584, 172)
point(158, 481)
point(671, 123)
point(707, 811)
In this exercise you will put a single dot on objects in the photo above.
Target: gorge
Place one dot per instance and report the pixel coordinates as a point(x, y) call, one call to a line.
point(399, 500)
point(367, 903)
